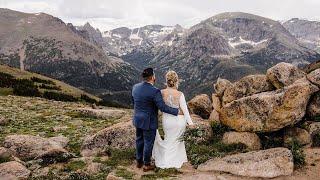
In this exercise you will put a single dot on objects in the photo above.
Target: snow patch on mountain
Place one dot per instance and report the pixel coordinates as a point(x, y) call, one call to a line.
point(235, 41)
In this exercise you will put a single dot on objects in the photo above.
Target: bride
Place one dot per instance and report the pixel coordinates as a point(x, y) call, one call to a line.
point(170, 152)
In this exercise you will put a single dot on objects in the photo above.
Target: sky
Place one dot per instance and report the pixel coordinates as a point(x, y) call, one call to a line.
point(109, 14)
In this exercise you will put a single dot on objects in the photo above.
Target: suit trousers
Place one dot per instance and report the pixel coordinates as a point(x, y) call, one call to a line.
point(144, 145)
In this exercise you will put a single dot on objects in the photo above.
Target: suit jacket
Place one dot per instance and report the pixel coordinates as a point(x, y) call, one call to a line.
point(147, 100)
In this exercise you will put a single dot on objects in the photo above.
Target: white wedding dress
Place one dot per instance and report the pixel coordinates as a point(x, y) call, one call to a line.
point(170, 152)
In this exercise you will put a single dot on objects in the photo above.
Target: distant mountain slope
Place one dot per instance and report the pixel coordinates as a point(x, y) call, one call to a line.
point(121, 41)
point(308, 32)
point(43, 83)
point(44, 44)
point(228, 45)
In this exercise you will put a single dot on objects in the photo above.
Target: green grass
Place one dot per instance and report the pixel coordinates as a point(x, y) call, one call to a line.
point(74, 166)
point(39, 117)
point(119, 157)
point(161, 174)
point(6, 91)
point(5, 159)
point(122, 172)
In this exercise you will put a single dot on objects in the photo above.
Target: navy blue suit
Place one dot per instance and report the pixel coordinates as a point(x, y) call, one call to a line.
point(147, 101)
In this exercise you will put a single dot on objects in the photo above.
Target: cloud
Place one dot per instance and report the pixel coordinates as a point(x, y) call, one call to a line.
point(108, 14)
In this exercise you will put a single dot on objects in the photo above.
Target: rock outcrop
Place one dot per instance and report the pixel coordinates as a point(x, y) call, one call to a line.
point(221, 85)
point(214, 117)
point(216, 103)
point(102, 113)
point(13, 170)
point(300, 135)
point(314, 77)
point(251, 140)
point(312, 127)
point(265, 163)
point(119, 136)
point(201, 105)
point(3, 121)
point(313, 109)
point(27, 147)
point(284, 74)
point(5, 155)
point(269, 111)
point(247, 86)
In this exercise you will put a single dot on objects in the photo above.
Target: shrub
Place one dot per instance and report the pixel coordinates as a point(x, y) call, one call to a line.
point(25, 87)
point(317, 118)
point(112, 104)
point(74, 166)
point(316, 140)
point(219, 129)
point(5, 159)
point(297, 152)
point(88, 99)
point(43, 81)
point(272, 140)
point(6, 80)
point(58, 96)
point(44, 86)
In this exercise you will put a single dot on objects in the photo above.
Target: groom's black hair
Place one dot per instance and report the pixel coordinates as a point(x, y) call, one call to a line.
point(147, 74)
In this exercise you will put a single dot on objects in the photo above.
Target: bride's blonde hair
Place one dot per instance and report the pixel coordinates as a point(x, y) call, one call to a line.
point(172, 79)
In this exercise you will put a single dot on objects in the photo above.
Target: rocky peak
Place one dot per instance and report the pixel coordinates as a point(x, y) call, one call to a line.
point(308, 32)
point(123, 40)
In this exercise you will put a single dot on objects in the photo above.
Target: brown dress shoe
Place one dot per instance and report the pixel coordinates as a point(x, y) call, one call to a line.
point(149, 167)
point(139, 165)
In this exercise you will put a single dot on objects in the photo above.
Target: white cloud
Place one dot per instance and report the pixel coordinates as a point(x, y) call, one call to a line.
point(107, 14)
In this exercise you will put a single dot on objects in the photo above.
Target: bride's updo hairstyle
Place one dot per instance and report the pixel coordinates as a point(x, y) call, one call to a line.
point(172, 79)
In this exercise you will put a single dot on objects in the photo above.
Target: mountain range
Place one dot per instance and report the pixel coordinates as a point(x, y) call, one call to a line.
point(107, 64)
point(307, 32)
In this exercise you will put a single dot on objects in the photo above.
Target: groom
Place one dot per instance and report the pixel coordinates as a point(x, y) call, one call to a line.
point(147, 100)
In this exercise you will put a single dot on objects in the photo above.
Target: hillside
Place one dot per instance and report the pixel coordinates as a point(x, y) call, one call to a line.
point(44, 44)
point(42, 83)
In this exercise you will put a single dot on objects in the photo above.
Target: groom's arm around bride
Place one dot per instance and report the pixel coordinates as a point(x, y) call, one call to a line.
point(147, 101)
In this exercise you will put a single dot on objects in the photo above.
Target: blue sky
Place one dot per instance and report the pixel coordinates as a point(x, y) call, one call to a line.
point(108, 14)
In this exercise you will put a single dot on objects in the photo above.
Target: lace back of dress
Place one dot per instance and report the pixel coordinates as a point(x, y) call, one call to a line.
point(171, 100)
